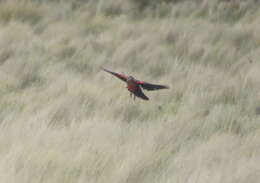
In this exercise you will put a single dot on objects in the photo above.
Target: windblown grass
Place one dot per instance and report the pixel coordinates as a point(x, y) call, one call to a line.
point(64, 120)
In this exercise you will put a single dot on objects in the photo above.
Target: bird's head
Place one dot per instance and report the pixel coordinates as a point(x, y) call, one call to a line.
point(130, 78)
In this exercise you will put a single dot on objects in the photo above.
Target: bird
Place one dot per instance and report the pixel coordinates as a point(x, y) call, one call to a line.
point(135, 86)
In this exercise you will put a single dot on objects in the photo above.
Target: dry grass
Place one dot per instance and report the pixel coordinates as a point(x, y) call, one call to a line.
point(63, 120)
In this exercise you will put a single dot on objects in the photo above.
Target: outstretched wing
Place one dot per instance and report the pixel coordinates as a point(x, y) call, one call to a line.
point(149, 86)
point(120, 76)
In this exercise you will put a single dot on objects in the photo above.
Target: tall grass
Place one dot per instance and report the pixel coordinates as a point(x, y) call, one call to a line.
point(64, 120)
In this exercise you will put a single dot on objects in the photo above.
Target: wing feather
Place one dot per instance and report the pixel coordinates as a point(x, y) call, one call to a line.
point(120, 76)
point(149, 86)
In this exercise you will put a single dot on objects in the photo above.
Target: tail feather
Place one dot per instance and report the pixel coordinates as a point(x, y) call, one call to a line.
point(140, 94)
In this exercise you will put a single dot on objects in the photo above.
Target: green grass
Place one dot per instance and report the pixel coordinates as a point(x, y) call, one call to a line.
point(63, 120)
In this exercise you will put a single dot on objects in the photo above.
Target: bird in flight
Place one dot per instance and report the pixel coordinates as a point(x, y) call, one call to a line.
point(134, 86)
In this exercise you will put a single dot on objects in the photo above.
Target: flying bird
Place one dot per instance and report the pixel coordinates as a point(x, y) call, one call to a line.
point(134, 86)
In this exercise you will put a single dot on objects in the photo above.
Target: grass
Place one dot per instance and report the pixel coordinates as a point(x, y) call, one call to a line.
point(64, 120)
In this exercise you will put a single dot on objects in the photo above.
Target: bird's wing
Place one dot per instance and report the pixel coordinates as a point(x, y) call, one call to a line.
point(139, 93)
point(120, 76)
point(149, 86)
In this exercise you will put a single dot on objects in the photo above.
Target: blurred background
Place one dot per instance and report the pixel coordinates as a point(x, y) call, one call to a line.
point(63, 120)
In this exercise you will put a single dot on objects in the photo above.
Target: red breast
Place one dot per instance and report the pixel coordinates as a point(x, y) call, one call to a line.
point(131, 86)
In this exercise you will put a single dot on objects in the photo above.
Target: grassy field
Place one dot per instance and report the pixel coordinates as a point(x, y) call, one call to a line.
point(63, 120)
